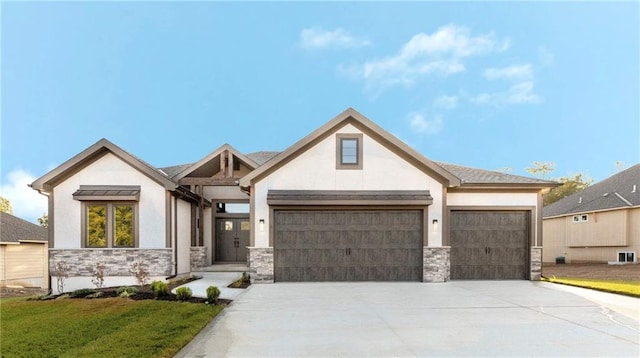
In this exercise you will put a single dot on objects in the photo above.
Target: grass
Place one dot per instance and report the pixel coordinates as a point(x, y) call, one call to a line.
point(110, 327)
point(628, 288)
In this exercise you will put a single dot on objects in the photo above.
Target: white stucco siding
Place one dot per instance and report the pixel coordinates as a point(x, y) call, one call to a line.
point(315, 169)
point(109, 170)
point(492, 199)
point(184, 236)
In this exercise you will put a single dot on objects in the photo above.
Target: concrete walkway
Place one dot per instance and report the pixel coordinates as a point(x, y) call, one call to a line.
point(459, 318)
point(219, 279)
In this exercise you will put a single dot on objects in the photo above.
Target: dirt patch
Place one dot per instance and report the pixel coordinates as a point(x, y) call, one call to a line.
point(21, 291)
point(629, 272)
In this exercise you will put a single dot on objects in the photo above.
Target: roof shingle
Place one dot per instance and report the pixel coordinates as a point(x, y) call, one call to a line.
point(14, 229)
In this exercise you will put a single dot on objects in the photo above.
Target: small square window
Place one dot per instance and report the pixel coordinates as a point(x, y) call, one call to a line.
point(349, 151)
point(584, 218)
point(628, 256)
point(576, 219)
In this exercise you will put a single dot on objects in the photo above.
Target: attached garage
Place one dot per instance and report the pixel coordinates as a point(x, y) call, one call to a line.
point(490, 245)
point(325, 241)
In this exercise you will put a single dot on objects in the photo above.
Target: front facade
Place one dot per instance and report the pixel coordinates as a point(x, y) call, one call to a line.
point(349, 202)
point(598, 224)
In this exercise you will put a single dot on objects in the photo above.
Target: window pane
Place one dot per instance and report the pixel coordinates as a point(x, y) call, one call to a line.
point(349, 151)
point(621, 257)
point(123, 225)
point(97, 225)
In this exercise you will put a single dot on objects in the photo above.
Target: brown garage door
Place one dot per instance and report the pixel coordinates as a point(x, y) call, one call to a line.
point(348, 245)
point(489, 245)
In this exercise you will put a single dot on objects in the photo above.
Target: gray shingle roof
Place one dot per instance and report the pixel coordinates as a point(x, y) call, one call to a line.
point(14, 229)
point(174, 170)
point(262, 157)
point(480, 176)
point(614, 192)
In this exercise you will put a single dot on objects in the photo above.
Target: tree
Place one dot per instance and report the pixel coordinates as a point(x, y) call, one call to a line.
point(541, 169)
point(5, 205)
point(44, 220)
point(570, 185)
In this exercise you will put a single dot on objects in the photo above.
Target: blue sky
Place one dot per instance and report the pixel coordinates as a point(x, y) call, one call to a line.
point(487, 85)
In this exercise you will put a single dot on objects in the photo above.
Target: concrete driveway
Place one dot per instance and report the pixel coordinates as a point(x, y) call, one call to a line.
point(459, 318)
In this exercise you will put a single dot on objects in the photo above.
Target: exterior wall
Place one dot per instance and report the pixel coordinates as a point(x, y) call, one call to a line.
point(536, 263)
point(261, 264)
point(222, 193)
point(184, 237)
point(315, 169)
point(24, 264)
point(82, 263)
point(598, 240)
point(109, 170)
point(436, 264)
point(198, 257)
point(208, 235)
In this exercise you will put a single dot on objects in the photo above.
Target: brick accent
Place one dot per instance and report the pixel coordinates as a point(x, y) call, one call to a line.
point(436, 264)
point(536, 263)
point(261, 264)
point(117, 262)
point(198, 257)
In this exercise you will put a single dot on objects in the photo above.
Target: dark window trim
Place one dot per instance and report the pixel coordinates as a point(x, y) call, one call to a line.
point(359, 139)
point(110, 224)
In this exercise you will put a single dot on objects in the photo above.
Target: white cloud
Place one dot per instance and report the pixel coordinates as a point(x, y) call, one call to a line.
point(515, 72)
point(27, 203)
point(520, 93)
point(422, 125)
point(446, 102)
point(317, 38)
point(442, 52)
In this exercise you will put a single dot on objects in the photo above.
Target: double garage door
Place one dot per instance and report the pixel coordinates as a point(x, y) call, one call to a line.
point(348, 245)
point(489, 245)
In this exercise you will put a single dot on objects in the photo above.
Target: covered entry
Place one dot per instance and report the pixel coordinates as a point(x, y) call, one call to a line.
point(489, 245)
point(347, 243)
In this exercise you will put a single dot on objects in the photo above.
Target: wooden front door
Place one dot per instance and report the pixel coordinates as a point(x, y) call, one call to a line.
point(232, 239)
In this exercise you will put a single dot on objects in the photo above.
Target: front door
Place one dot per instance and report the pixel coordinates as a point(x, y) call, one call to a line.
point(232, 239)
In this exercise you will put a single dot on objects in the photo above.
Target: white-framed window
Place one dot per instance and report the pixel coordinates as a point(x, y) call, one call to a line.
point(583, 218)
point(626, 256)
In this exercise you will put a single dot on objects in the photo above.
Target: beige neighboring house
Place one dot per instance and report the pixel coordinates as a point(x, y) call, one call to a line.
point(23, 253)
point(347, 202)
point(598, 224)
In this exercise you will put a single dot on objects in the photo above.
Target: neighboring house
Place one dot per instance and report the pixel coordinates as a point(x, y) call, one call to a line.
point(347, 202)
point(598, 224)
point(23, 253)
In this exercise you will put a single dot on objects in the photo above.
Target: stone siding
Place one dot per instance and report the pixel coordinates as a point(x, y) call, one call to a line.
point(82, 262)
point(536, 263)
point(198, 257)
point(261, 264)
point(436, 264)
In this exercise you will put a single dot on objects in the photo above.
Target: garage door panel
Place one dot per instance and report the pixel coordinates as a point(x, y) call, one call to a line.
point(354, 245)
point(489, 245)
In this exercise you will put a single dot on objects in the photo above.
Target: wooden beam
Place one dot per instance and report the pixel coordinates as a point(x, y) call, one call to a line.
point(207, 181)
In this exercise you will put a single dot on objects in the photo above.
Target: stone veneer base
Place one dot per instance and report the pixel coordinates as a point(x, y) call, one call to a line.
point(436, 264)
point(536, 263)
point(261, 264)
point(82, 262)
point(198, 257)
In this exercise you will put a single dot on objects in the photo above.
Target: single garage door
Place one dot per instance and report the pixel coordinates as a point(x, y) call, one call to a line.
point(489, 245)
point(348, 245)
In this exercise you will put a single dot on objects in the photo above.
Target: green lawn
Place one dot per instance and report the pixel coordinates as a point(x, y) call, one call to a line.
point(629, 288)
point(109, 327)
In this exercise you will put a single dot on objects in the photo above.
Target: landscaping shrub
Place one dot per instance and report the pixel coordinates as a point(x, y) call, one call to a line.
point(140, 271)
point(61, 270)
point(98, 275)
point(83, 292)
point(127, 291)
point(159, 288)
point(184, 293)
point(213, 293)
point(94, 295)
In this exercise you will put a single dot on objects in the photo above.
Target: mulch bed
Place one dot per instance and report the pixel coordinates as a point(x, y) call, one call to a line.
point(628, 272)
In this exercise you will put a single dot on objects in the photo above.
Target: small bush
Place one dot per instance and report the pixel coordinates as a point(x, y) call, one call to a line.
point(94, 295)
point(98, 275)
point(159, 288)
point(140, 271)
point(126, 291)
point(184, 293)
point(83, 292)
point(62, 297)
point(213, 293)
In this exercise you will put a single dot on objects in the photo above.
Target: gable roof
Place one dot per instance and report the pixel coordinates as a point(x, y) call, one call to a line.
point(88, 156)
point(262, 157)
point(14, 229)
point(479, 177)
point(225, 147)
point(350, 116)
point(617, 191)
